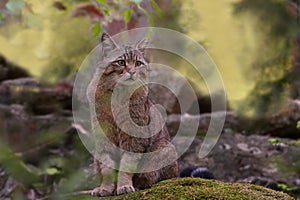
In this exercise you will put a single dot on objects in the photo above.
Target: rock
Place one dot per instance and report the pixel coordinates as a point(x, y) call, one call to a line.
point(173, 121)
point(37, 98)
point(236, 157)
point(262, 181)
point(22, 82)
point(197, 171)
point(182, 89)
point(7, 184)
point(24, 132)
point(10, 71)
point(204, 104)
point(280, 124)
point(283, 123)
point(196, 188)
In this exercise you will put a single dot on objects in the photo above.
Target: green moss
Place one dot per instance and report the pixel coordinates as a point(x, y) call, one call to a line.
point(195, 188)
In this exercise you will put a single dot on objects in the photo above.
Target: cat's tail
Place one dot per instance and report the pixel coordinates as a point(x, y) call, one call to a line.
point(197, 171)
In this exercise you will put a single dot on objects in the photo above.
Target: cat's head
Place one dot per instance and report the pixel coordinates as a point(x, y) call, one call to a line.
point(126, 64)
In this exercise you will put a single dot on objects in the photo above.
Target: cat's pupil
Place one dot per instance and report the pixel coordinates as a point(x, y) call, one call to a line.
point(138, 63)
point(121, 62)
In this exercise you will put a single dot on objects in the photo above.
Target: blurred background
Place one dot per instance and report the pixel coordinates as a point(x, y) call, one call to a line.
point(254, 43)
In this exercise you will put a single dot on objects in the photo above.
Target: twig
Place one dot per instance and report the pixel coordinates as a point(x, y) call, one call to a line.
point(33, 150)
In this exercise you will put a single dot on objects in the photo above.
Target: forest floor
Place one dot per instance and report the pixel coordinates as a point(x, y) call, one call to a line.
point(42, 154)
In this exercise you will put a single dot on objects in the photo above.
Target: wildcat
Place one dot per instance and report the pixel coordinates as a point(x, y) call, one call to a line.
point(124, 65)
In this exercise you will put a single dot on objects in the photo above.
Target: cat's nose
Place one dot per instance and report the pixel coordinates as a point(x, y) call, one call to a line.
point(131, 72)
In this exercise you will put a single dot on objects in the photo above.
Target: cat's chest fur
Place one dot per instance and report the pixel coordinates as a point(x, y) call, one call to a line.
point(138, 106)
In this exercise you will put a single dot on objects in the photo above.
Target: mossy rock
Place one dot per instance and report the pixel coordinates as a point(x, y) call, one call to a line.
point(196, 188)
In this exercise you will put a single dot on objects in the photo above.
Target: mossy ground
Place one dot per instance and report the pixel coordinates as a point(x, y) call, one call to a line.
point(195, 188)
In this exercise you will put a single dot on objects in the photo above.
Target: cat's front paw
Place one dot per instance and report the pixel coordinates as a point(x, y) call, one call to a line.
point(103, 191)
point(125, 189)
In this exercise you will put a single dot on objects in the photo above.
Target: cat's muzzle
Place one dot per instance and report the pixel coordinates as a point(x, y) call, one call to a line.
point(129, 78)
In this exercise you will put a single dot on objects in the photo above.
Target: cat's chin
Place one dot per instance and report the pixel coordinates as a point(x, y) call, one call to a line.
point(128, 81)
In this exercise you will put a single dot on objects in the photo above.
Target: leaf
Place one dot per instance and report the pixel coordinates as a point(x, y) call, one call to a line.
point(149, 18)
point(96, 29)
point(106, 12)
point(282, 186)
point(15, 5)
point(298, 125)
point(106, 8)
point(15, 167)
point(274, 140)
point(52, 171)
point(127, 15)
point(102, 2)
point(156, 8)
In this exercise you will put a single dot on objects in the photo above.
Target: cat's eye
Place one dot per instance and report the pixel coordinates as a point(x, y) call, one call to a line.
point(121, 62)
point(138, 63)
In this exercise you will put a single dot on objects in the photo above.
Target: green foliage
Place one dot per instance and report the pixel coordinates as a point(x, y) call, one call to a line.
point(282, 186)
point(156, 8)
point(102, 2)
point(52, 171)
point(96, 29)
point(127, 15)
point(276, 29)
point(110, 8)
point(270, 91)
point(50, 46)
point(294, 190)
point(271, 16)
point(298, 125)
point(51, 41)
point(46, 161)
point(104, 7)
point(16, 167)
point(274, 140)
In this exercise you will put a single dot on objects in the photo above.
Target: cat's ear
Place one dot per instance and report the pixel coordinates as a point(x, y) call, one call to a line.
point(108, 43)
point(142, 45)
